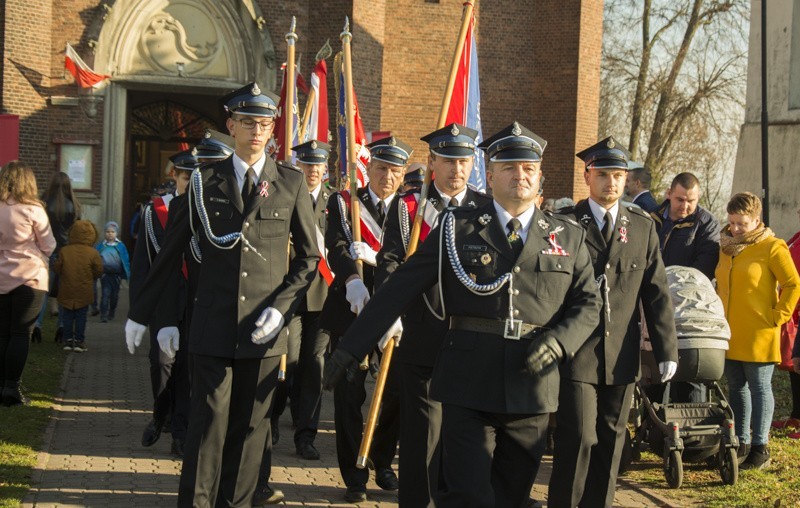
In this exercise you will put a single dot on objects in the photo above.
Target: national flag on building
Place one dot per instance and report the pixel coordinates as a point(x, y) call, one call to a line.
point(280, 118)
point(465, 103)
point(83, 74)
point(362, 154)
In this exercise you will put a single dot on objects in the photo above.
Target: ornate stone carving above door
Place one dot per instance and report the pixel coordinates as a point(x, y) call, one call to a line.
point(164, 43)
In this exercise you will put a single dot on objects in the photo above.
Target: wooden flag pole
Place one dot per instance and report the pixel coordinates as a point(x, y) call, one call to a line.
point(288, 105)
point(350, 115)
point(377, 395)
point(312, 96)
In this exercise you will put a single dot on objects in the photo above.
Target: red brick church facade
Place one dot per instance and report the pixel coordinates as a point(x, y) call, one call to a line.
point(539, 64)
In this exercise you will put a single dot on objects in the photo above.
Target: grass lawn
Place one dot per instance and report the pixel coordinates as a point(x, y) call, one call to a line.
point(778, 485)
point(22, 428)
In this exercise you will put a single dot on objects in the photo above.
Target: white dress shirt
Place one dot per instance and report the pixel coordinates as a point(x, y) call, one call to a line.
point(525, 218)
point(240, 168)
point(599, 213)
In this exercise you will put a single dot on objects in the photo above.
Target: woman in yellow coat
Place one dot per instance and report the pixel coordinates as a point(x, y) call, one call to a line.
point(753, 264)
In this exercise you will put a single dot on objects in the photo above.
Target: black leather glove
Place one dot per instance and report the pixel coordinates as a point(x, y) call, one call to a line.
point(544, 355)
point(340, 364)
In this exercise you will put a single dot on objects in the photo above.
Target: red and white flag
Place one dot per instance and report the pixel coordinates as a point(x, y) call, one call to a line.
point(280, 125)
point(318, 119)
point(83, 74)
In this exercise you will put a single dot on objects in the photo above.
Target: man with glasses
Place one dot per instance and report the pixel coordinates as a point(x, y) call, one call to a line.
point(243, 208)
point(348, 294)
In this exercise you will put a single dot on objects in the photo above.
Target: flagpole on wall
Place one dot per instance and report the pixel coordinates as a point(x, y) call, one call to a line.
point(386, 359)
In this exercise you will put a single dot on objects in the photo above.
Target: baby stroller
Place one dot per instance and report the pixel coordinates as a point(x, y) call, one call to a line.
point(689, 431)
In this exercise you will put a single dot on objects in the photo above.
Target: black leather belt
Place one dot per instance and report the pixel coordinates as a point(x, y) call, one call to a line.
point(494, 327)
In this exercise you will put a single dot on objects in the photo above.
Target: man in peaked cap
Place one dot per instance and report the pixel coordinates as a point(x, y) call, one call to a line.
point(213, 147)
point(169, 377)
point(519, 297)
point(451, 156)
point(597, 383)
point(347, 296)
point(305, 358)
point(245, 208)
point(415, 175)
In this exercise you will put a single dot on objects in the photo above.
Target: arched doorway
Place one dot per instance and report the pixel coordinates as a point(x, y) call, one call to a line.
point(183, 55)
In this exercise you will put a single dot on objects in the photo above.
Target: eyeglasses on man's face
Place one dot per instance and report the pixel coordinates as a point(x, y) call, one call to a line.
point(250, 124)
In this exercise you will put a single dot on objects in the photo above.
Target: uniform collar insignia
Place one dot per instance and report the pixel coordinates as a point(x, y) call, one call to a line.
point(624, 219)
point(543, 224)
point(472, 204)
point(586, 219)
point(485, 219)
point(433, 201)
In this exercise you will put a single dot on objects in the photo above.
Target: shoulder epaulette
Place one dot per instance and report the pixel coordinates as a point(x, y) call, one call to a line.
point(287, 165)
point(637, 210)
point(562, 218)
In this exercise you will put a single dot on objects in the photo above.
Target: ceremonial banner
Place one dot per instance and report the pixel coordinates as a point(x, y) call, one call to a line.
point(83, 74)
point(280, 125)
point(363, 156)
point(465, 104)
point(318, 121)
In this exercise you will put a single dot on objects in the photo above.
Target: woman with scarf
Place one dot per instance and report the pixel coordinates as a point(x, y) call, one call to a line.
point(753, 265)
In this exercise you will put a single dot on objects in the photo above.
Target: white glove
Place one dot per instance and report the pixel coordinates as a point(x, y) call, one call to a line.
point(268, 324)
point(395, 331)
point(667, 370)
point(362, 251)
point(168, 339)
point(357, 295)
point(133, 335)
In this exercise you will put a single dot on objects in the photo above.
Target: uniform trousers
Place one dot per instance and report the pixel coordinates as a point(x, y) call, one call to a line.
point(303, 386)
point(488, 459)
point(348, 398)
point(420, 453)
point(589, 440)
point(229, 426)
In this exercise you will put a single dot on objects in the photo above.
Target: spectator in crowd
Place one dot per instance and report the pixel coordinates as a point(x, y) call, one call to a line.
point(63, 209)
point(415, 175)
point(26, 242)
point(638, 189)
point(688, 234)
point(116, 266)
point(752, 264)
point(793, 422)
point(77, 265)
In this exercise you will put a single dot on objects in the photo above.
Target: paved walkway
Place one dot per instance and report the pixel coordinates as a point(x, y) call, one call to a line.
point(93, 455)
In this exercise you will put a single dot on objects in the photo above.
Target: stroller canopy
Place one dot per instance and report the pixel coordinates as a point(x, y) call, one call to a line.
point(699, 316)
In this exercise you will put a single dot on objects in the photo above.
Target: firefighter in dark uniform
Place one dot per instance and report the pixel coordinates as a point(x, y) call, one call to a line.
point(168, 374)
point(597, 384)
point(347, 296)
point(519, 296)
point(452, 153)
point(244, 208)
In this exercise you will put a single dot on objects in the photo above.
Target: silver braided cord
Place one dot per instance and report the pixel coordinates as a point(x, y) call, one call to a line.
point(150, 231)
point(405, 225)
point(450, 238)
point(343, 216)
point(194, 248)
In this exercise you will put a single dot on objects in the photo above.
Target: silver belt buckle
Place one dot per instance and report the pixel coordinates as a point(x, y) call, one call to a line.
point(513, 329)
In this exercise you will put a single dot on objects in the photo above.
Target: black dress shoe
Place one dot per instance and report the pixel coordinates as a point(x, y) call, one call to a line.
point(13, 396)
point(266, 495)
point(177, 447)
point(36, 335)
point(356, 494)
point(307, 451)
point(386, 479)
point(152, 432)
point(276, 433)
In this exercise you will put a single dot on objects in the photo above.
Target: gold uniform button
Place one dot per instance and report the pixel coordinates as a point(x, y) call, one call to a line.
point(634, 265)
point(246, 249)
point(216, 214)
point(516, 312)
point(558, 265)
point(242, 298)
point(275, 214)
point(517, 269)
point(516, 292)
point(608, 266)
point(608, 333)
point(244, 274)
point(247, 224)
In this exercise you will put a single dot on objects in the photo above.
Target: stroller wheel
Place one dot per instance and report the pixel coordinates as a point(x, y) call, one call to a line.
point(729, 466)
point(673, 469)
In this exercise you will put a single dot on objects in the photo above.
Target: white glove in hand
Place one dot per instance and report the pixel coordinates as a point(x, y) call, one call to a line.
point(133, 335)
point(267, 326)
point(357, 295)
point(395, 331)
point(168, 339)
point(362, 251)
point(667, 370)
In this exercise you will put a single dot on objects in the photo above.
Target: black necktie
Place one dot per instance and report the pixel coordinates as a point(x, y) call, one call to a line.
point(454, 202)
point(381, 211)
point(249, 186)
point(514, 238)
point(313, 201)
point(608, 228)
